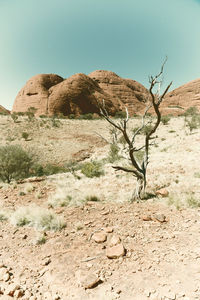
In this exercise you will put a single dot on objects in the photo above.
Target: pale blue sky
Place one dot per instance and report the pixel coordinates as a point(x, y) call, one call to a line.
point(129, 37)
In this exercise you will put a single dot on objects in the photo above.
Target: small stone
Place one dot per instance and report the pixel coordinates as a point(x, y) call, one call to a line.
point(6, 277)
point(162, 192)
point(46, 262)
point(108, 229)
point(99, 237)
point(115, 239)
point(146, 218)
point(104, 213)
point(19, 293)
point(115, 251)
point(90, 281)
point(159, 217)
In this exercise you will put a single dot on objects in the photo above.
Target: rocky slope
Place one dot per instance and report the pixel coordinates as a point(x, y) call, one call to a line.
point(79, 94)
point(179, 100)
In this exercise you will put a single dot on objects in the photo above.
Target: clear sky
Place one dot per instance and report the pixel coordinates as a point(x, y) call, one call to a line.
point(129, 37)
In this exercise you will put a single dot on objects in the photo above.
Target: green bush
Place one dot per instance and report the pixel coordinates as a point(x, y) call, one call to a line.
point(14, 116)
point(15, 163)
point(48, 169)
point(92, 198)
point(113, 153)
point(92, 169)
point(192, 122)
point(191, 111)
point(25, 135)
point(86, 117)
point(71, 116)
point(165, 119)
point(120, 115)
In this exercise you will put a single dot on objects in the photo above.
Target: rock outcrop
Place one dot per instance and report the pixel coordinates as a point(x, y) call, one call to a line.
point(179, 100)
point(79, 94)
point(132, 94)
point(4, 110)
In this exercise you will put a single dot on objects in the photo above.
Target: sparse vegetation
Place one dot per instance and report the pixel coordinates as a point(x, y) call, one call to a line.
point(60, 201)
point(92, 198)
point(15, 163)
point(92, 169)
point(25, 135)
point(165, 119)
point(37, 217)
point(113, 155)
point(14, 116)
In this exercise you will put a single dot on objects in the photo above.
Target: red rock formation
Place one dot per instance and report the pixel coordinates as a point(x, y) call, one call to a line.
point(79, 94)
point(179, 100)
point(131, 93)
point(35, 93)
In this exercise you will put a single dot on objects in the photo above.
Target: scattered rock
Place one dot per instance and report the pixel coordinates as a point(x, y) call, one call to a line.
point(99, 237)
point(162, 192)
point(90, 281)
point(159, 217)
point(115, 251)
point(146, 218)
point(108, 229)
point(115, 239)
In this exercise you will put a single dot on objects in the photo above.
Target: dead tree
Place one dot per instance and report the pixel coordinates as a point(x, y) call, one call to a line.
point(139, 169)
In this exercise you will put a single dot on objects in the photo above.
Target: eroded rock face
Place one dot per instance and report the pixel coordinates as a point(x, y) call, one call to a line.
point(132, 94)
point(36, 93)
point(79, 94)
point(179, 100)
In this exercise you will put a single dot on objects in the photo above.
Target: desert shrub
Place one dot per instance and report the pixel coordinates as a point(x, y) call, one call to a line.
point(113, 153)
point(71, 116)
point(15, 163)
point(25, 135)
point(14, 116)
point(3, 216)
point(37, 217)
point(48, 169)
point(197, 174)
point(30, 113)
point(165, 119)
point(92, 169)
point(62, 201)
point(192, 122)
point(92, 198)
point(147, 129)
point(43, 116)
point(120, 115)
point(191, 111)
point(55, 122)
point(192, 202)
point(41, 239)
point(88, 116)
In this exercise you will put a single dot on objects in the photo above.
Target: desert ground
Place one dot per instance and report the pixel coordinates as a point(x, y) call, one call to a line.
point(156, 242)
